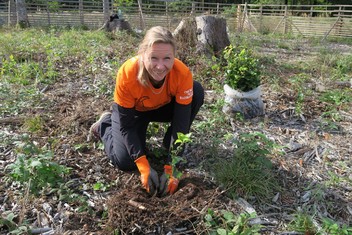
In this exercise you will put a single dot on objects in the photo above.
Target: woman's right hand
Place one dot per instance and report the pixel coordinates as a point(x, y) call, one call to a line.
point(149, 177)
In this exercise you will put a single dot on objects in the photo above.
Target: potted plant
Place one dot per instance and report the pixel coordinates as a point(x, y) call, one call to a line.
point(242, 83)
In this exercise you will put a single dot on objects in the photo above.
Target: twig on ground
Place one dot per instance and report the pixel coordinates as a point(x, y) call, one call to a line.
point(137, 204)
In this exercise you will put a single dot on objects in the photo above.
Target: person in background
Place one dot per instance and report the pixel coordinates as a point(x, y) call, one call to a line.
point(153, 86)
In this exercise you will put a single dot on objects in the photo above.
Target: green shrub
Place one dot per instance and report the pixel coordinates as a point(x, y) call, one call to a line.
point(242, 71)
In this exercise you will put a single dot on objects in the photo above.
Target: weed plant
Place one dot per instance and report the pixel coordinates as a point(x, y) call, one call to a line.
point(306, 223)
point(340, 98)
point(227, 223)
point(20, 98)
point(303, 223)
point(332, 65)
point(208, 72)
point(337, 100)
point(8, 220)
point(248, 172)
point(298, 84)
point(34, 124)
point(211, 130)
point(34, 168)
point(331, 227)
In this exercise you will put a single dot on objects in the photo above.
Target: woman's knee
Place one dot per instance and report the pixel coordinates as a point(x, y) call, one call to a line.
point(118, 155)
point(123, 163)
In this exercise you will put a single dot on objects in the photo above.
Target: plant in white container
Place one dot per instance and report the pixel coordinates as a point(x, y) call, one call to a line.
point(242, 83)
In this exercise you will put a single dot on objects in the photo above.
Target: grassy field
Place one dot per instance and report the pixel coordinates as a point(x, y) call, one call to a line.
point(291, 166)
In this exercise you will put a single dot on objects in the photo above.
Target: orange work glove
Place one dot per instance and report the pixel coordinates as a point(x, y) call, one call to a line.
point(168, 183)
point(149, 177)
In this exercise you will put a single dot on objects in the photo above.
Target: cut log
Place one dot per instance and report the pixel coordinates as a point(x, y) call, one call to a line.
point(202, 34)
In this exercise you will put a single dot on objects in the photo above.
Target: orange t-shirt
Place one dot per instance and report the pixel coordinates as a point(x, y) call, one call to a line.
point(129, 93)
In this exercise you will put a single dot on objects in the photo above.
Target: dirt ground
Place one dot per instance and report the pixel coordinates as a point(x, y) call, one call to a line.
point(70, 106)
point(129, 207)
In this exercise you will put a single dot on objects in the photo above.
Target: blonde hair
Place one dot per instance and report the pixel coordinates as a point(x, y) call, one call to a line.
point(154, 35)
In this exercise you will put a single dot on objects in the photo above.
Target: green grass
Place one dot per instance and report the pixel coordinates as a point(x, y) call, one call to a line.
point(27, 61)
point(249, 171)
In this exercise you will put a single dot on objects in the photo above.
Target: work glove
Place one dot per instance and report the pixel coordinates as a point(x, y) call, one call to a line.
point(149, 177)
point(168, 183)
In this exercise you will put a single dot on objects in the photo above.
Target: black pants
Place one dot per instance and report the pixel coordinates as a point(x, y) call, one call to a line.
point(113, 140)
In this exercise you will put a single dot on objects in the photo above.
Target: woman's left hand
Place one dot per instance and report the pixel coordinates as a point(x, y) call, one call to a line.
point(168, 183)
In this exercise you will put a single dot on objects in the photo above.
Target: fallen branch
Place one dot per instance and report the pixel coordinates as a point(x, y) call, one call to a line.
point(41, 230)
point(343, 84)
point(12, 120)
point(137, 204)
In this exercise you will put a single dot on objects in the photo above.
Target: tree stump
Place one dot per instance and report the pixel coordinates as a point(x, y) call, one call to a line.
point(207, 34)
point(186, 38)
point(116, 24)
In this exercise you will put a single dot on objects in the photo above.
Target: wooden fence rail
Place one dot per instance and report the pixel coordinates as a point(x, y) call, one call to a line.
point(306, 20)
point(317, 20)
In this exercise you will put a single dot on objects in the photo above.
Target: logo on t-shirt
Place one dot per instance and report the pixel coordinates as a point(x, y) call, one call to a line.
point(188, 94)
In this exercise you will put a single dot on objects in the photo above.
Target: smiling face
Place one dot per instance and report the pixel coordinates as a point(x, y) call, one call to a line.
point(158, 60)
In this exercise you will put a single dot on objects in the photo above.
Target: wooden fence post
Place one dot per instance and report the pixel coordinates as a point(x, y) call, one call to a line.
point(168, 22)
point(142, 23)
point(285, 21)
point(81, 12)
point(239, 18)
point(340, 22)
point(261, 19)
point(48, 13)
point(12, 16)
point(106, 10)
point(244, 16)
